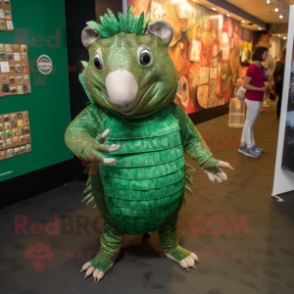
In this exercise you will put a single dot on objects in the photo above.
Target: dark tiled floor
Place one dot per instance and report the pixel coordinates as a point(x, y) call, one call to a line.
point(257, 260)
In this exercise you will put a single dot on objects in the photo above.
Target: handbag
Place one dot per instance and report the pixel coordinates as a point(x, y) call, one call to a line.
point(272, 95)
point(241, 93)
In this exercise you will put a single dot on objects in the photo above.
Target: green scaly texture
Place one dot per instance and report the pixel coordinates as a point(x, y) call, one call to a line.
point(145, 186)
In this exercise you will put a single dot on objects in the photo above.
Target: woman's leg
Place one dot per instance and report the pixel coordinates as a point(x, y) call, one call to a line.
point(253, 111)
point(252, 134)
point(243, 138)
point(247, 125)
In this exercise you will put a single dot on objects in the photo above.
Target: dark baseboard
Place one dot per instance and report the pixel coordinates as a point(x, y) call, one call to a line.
point(35, 183)
point(79, 170)
point(208, 114)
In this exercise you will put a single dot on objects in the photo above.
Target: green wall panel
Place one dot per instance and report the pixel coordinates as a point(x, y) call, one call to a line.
point(49, 103)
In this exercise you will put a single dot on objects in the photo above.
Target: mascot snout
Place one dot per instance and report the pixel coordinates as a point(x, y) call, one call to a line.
point(122, 89)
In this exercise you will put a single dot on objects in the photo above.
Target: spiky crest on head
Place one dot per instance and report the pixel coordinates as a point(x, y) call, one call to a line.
point(110, 26)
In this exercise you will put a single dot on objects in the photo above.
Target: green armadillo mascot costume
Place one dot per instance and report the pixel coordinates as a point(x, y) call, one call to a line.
point(136, 134)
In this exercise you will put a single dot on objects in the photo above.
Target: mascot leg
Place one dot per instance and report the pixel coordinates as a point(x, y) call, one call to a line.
point(169, 243)
point(110, 240)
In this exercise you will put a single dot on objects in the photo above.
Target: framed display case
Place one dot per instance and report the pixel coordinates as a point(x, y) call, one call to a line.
point(14, 68)
point(15, 134)
point(6, 23)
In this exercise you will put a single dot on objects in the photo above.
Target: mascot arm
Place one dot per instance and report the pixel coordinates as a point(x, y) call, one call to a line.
point(196, 148)
point(193, 143)
point(84, 137)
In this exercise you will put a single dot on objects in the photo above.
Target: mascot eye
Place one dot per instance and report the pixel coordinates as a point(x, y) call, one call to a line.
point(98, 62)
point(145, 57)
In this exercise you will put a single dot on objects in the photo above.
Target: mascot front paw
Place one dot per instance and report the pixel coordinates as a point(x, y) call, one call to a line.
point(98, 266)
point(212, 168)
point(183, 256)
point(95, 149)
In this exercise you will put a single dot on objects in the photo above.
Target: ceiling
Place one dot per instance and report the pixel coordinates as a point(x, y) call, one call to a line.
point(257, 8)
point(282, 36)
point(263, 11)
point(244, 22)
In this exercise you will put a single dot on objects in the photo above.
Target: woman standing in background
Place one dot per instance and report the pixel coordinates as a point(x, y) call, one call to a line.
point(254, 83)
point(279, 78)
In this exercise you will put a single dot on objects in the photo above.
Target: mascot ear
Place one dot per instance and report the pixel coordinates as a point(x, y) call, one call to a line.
point(162, 29)
point(89, 36)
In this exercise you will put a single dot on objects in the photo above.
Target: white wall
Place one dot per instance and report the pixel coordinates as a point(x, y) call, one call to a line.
point(276, 48)
point(284, 180)
point(284, 44)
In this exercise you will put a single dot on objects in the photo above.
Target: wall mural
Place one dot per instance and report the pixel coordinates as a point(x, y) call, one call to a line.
point(246, 44)
point(206, 50)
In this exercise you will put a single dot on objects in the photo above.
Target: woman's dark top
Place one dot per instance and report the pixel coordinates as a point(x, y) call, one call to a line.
point(279, 76)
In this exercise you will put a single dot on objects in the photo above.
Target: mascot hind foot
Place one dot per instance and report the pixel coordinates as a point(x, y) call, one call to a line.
point(183, 256)
point(98, 266)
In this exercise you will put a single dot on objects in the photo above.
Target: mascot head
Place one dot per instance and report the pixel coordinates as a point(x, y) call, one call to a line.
point(130, 71)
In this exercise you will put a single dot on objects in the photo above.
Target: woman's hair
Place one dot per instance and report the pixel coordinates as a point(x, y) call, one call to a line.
point(258, 52)
point(283, 56)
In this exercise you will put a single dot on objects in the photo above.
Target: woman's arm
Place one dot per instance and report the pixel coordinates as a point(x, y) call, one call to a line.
point(246, 85)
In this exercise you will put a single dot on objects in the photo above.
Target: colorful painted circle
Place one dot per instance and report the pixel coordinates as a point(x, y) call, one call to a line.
point(44, 64)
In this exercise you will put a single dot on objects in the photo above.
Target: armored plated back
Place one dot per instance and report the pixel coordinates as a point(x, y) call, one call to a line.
point(145, 186)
